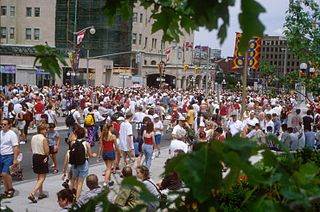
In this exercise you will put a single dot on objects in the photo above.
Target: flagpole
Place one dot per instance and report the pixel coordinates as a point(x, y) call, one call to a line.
point(207, 70)
point(244, 84)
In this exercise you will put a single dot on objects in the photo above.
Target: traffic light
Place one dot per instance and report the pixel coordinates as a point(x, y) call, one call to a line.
point(185, 67)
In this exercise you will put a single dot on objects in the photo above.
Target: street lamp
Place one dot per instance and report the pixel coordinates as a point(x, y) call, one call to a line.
point(92, 31)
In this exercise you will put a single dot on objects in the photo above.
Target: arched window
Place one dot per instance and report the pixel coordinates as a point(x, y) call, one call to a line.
point(153, 62)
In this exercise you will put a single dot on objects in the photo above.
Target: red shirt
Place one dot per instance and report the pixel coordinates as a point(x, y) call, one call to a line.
point(39, 108)
point(148, 141)
point(116, 126)
point(107, 145)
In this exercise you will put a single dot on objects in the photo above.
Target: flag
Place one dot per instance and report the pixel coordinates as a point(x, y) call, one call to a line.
point(197, 47)
point(253, 53)
point(80, 37)
point(167, 52)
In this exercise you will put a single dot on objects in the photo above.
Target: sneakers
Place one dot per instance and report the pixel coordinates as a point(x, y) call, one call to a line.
point(158, 154)
point(22, 142)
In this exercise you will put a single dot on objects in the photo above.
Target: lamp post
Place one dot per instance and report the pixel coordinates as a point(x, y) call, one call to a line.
point(92, 31)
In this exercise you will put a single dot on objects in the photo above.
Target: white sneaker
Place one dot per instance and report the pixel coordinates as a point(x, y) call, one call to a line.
point(22, 142)
point(153, 156)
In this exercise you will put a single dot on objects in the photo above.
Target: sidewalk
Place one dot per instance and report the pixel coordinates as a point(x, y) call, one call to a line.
point(53, 184)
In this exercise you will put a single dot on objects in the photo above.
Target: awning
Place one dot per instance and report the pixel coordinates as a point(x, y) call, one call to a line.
point(8, 69)
point(40, 71)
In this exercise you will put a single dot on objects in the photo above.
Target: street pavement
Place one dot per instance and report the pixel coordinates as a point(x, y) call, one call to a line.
point(53, 184)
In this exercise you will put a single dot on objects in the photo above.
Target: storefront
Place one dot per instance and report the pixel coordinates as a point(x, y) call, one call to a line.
point(7, 74)
point(43, 78)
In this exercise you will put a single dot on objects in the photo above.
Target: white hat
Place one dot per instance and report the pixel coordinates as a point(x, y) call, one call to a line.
point(181, 118)
point(155, 116)
point(120, 118)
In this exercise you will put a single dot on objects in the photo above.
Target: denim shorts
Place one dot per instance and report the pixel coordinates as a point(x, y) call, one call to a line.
point(157, 139)
point(81, 171)
point(5, 162)
point(109, 155)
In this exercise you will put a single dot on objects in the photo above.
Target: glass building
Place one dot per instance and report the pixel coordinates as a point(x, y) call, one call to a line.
point(74, 15)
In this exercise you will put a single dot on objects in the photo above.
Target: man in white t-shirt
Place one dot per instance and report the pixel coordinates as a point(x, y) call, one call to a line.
point(234, 126)
point(9, 151)
point(178, 131)
point(126, 139)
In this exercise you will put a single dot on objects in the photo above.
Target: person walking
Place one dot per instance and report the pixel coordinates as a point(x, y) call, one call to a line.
point(158, 128)
point(126, 139)
point(40, 151)
point(54, 143)
point(107, 148)
point(148, 144)
point(9, 149)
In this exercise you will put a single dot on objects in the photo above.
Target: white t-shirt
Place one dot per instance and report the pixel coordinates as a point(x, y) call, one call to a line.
point(179, 131)
point(177, 144)
point(8, 141)
point(76, 116)
point(51, 116)
point(158, 125)
point(235, 127)
point(125, 131)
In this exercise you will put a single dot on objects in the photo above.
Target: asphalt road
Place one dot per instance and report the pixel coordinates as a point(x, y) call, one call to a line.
point(26, 163)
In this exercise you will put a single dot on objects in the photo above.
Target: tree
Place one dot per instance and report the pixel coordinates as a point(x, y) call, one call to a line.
point(174, 17)
point(303, 31)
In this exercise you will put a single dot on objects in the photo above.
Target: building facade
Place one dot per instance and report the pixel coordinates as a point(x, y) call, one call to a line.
point(140, 55)
point(274, 50)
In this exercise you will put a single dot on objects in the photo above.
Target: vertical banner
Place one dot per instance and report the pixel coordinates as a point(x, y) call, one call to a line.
point(253, 53)
point(74, 57)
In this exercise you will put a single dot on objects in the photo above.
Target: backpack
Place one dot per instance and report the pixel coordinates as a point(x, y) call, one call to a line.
point(89, 120)
point(70, 120)
point(77, 153)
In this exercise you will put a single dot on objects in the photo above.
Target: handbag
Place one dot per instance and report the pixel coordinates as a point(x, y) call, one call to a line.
point(163, 197)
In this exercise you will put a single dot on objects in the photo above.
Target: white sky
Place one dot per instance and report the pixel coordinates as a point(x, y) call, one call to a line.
point(273, 19)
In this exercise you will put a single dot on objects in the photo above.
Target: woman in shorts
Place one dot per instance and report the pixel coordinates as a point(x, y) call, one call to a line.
point(40, 151)
point(107, 148)
point(54, 142)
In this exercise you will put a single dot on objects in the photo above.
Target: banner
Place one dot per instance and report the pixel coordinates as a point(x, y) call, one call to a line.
point(80, 37)
point(253, 53)
point(74, 57)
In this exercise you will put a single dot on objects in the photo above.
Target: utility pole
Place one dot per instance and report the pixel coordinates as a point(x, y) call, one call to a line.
point(244, 84)
point(207, 71)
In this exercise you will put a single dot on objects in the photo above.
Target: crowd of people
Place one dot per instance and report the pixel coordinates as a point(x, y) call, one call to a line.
point(128, 125)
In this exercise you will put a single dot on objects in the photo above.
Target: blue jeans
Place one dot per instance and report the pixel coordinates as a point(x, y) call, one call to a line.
point(148, 151)
point(310, 139)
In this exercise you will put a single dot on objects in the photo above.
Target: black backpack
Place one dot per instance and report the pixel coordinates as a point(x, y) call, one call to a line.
point(70, 120)
point(77, 153)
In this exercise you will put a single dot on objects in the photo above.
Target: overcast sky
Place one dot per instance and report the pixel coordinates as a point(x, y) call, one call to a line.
point(273, 19)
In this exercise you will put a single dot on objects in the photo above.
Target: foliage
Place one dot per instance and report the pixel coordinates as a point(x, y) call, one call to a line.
point(302, 30)
point(173, 17)
point(49, 59)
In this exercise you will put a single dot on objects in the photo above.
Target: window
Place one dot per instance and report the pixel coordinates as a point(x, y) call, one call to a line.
point(153, 62)
point(37, 12)
point(28, 33)
point(145, 42)
point(4, 10)
point(134, 17)
point(11, 32)
point(140, 39)
point(141, 17)
point(275, 56)
point(12, 11)
point(154, 43)
point(3, 32)
point(134, 38)
point(36, 34)
point(29, 12)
